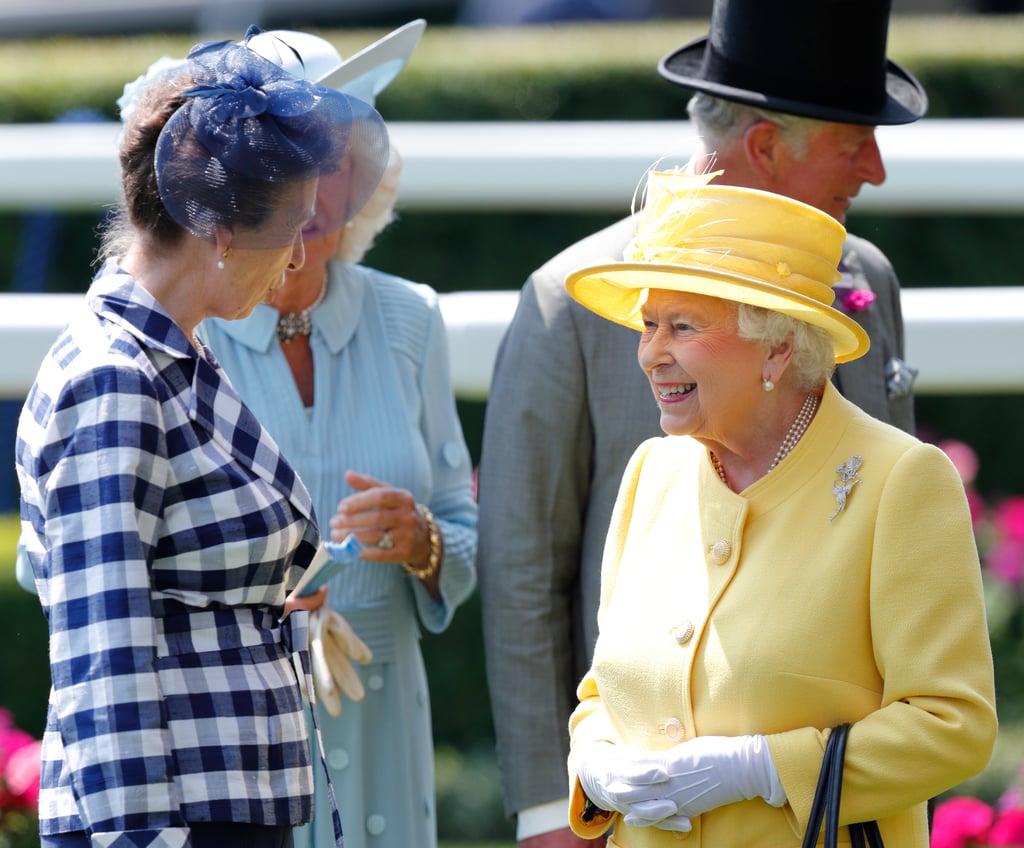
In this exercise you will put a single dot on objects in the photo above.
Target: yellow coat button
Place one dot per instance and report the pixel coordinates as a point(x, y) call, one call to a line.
point(720, 551)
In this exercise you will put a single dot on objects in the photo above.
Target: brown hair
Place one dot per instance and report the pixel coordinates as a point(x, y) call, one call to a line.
point(140, 208)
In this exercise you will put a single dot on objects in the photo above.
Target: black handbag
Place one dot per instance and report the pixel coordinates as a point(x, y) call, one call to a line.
point(826, 800)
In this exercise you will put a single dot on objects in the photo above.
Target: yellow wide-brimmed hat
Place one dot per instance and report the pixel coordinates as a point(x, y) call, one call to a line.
point(738, 244)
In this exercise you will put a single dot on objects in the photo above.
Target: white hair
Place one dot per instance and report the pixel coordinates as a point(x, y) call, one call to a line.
point(718, 121)
point(813, 352)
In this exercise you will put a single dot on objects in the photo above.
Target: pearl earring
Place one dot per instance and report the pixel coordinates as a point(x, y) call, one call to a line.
point(769, 386)
point(220, 264)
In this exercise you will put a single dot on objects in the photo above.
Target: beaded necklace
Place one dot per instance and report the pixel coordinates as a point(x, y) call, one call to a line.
point(793, 435)
point(291, 325)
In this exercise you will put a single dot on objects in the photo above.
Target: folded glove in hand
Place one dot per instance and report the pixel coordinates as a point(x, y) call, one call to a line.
point(614, 776)
point(333, 644)
point(703, 774)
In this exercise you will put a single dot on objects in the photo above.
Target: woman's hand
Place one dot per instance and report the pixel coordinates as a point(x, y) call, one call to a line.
point(384, 519)
point(702, 774)
point(307, 602)
point(615, 777)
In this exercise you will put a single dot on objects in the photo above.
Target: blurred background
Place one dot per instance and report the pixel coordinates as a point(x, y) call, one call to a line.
point(49, 17)
point(502, 61)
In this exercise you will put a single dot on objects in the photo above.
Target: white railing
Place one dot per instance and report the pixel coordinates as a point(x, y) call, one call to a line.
point(963, 340)
point(933, 166)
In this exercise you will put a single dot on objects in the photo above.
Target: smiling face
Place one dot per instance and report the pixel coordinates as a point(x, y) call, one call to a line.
point(839, 159)
point(705, 378)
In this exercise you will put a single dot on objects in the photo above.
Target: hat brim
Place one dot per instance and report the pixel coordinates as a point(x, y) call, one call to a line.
point(906, 100)
point(374, 67)
point(617, 291)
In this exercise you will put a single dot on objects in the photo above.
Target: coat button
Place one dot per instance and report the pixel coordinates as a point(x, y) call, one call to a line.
point(673, 729)
point(338, 758)
point(452, 454)
point(683, 632)
point(720, 551)
point(375, 824)
point(376, 682)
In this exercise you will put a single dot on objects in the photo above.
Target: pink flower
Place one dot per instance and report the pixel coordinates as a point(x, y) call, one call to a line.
point(21, 775)
point(963, 457)
point(1006, 561)
point(18, 750)
point(1010, 517)
point(960, 822)
point(11, 740)
point(1008, 829)
point(857, 300)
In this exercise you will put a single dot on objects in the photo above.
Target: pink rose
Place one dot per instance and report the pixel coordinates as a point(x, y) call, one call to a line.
point(1008, 829)
point(960, 822)
point(11, 740)
point(21, 775)
point(1006, 561)
point(1010, 516)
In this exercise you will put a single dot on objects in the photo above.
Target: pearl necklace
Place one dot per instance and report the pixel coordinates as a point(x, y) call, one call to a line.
point(793, 435)
point(291, 325)
point(797, 429)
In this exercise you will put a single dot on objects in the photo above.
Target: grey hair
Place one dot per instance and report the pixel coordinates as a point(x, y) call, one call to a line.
point(379, 211)
point(719, 121)
point(813, 354)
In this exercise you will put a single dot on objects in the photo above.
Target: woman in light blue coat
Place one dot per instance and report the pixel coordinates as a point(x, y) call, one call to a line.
point(348, 370)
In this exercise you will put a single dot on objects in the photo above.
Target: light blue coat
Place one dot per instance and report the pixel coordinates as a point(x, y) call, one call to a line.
point(385, 407)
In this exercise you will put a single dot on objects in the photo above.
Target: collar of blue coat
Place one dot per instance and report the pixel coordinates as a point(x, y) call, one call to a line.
point(117, 296)
point(336, 318)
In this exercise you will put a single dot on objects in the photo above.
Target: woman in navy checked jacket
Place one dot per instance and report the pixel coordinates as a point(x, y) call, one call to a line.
point(163, 526)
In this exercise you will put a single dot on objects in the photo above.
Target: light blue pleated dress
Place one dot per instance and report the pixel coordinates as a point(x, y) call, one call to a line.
point(383, 406)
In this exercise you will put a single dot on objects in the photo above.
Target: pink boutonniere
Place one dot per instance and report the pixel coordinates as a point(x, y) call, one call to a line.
point(855, 300)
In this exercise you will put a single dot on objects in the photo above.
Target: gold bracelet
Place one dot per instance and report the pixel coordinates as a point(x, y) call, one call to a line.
point(425, 572)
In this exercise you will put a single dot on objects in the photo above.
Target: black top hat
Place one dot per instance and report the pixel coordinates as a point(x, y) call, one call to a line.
point(821, 59)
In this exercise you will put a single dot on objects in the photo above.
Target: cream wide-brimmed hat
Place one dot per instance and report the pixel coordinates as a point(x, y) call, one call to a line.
point(364, 74)
point(738, 244)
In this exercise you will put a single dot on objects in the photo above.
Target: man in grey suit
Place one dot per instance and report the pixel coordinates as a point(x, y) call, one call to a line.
point(569, 403)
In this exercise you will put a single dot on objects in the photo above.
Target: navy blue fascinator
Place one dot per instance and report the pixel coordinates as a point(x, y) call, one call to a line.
point(236, 154)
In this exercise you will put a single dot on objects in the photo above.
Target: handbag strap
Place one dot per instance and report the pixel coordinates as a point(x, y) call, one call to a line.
point(820, 793)
point(827, 796)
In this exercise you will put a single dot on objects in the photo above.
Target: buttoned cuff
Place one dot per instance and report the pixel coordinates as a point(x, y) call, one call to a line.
point(542, 818)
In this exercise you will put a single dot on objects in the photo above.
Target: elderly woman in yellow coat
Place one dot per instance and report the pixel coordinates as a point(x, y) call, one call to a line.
point(778, 564)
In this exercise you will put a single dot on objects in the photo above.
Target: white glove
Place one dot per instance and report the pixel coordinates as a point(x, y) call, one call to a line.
point(679, 824)
point(333, 644)
point(610, 776)
point(705, 773)
point(613, 776)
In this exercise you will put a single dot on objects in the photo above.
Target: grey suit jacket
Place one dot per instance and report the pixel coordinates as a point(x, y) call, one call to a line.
point(568, 405)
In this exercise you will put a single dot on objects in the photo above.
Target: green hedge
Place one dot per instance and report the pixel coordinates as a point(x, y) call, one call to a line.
point(971, 66)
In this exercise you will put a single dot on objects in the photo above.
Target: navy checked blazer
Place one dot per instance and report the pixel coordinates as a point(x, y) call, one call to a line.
point(164, 530)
